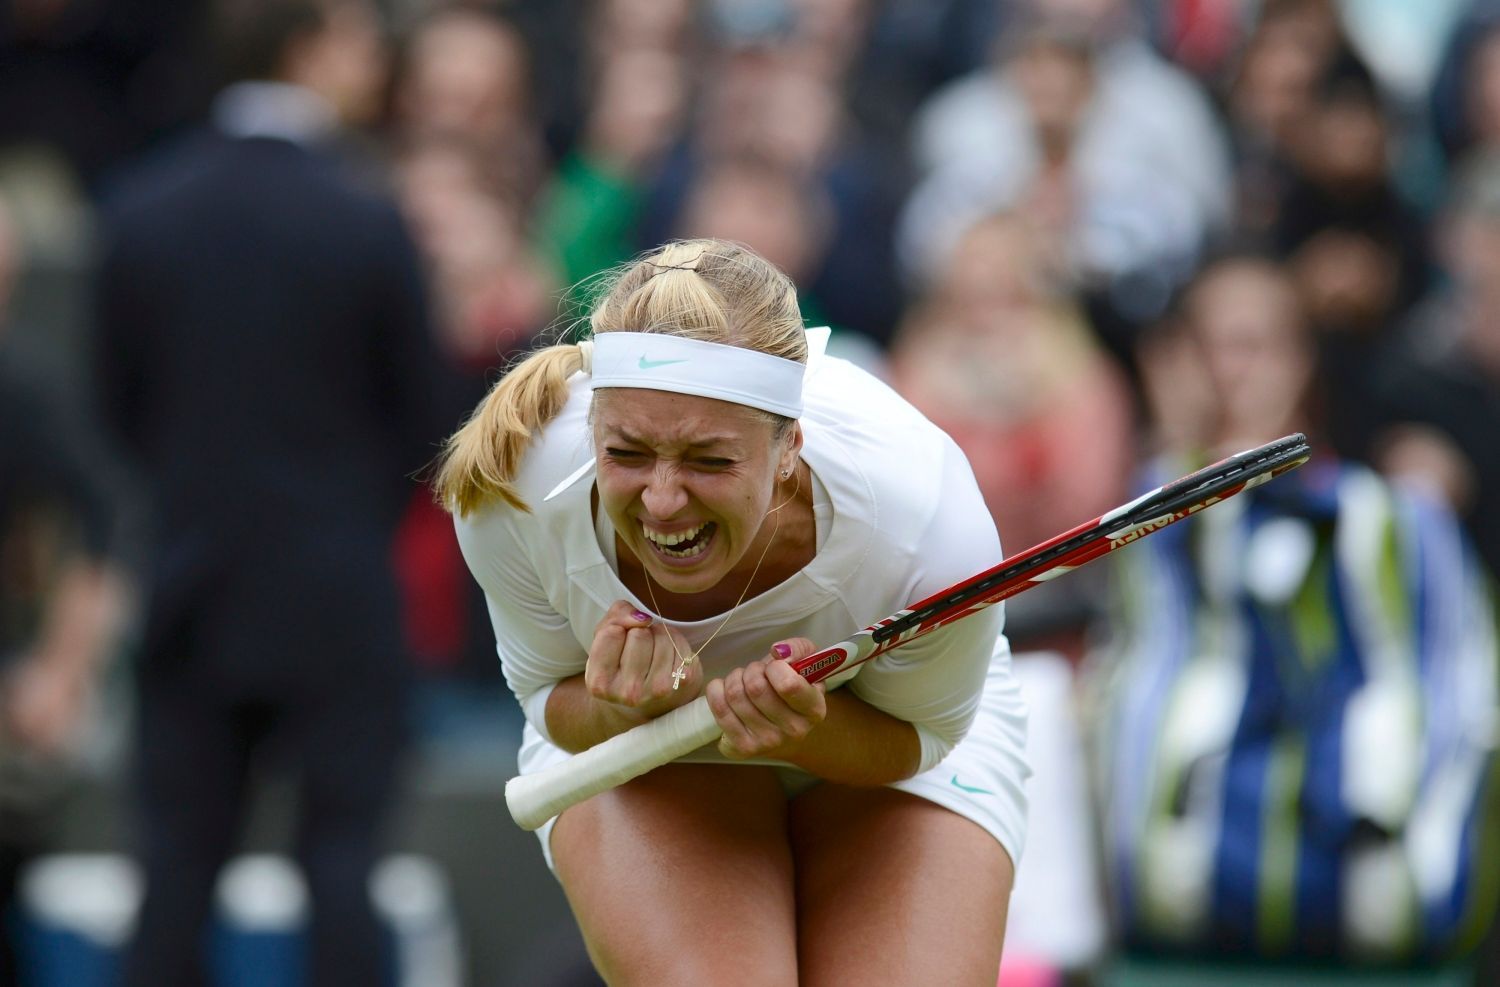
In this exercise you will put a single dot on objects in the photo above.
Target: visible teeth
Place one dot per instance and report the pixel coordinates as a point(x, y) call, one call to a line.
point(665, 544)
point(677, 537)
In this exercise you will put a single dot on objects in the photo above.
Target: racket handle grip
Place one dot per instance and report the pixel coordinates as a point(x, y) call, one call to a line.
point(535, 798)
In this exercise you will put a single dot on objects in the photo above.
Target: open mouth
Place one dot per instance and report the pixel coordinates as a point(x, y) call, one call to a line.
point(686, 544)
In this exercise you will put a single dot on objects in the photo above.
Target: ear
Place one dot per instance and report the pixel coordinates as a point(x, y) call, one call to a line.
point(792, 450)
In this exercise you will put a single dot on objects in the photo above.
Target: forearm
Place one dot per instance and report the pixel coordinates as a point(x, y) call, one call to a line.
point(82, 619)
point(45, 695)
point(856, 744)
point(577, 721)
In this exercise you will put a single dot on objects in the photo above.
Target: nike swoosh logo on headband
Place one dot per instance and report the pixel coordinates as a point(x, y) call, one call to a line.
point(646, 364)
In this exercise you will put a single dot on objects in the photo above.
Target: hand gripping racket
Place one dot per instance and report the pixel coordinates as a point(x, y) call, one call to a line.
point(535, 798)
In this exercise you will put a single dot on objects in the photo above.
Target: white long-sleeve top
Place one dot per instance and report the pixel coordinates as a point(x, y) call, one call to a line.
point(898, 516)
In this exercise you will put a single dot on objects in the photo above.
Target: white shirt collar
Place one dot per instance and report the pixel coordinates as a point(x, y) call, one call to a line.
point(274, 109)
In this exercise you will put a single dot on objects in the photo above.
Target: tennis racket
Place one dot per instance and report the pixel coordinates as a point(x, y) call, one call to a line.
point(535, 798)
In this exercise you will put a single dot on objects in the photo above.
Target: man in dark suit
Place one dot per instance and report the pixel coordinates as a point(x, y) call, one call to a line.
point(266, 358)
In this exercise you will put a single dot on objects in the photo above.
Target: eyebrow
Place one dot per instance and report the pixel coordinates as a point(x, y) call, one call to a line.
point(714, 440)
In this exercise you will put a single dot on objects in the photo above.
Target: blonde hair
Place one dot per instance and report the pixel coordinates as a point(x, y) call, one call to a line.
point(710, 290)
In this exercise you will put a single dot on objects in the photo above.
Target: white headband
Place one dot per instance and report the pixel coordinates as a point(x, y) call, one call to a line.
point(661, 362)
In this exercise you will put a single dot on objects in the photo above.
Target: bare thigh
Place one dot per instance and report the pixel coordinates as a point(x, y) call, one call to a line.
point(683, 876)
point(893, 889)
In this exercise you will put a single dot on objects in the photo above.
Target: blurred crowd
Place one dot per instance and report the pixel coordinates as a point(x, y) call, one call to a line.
point(1101, 242)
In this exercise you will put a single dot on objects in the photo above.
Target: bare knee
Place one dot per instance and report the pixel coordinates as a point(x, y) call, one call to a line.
point(683, 876)
point(930, 888)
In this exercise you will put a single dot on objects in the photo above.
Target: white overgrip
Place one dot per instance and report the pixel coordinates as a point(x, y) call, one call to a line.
point(535, 798)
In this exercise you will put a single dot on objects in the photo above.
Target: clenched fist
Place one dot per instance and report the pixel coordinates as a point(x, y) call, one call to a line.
point(632, 660)
point(765, 706)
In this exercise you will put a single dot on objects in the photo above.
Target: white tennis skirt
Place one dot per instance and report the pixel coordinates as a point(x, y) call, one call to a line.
point(982, 779)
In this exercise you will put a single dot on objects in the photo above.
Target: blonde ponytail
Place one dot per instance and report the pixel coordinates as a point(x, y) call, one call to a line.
point(479, 461)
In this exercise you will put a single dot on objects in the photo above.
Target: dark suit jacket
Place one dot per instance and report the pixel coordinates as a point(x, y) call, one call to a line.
point(265, 355)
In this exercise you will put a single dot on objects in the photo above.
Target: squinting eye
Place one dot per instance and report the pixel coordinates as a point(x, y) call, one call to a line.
point(627, 455)
point(715, 464)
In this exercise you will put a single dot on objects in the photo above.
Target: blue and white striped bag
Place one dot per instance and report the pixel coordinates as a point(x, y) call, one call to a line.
point(1294, 728)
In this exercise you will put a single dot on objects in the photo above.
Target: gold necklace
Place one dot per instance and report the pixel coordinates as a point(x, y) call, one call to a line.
point(683, 661)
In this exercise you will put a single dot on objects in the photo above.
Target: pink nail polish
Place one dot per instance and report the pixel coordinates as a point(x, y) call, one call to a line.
point(782, 650)
point(639, 615)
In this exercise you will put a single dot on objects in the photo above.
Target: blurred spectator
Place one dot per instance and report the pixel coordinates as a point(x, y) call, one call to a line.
point(1446, 376)
point(588, 217)
point(764, 101)
point(668, 27)
point(1301, 44)
point(769, 79)
point(645, 42)
point(831, 34)
point(61, 602)
point(1293, 46)
point(1343, 207)
point(770, 209)
point(911, 48)
point(1236, 364)
point(761, 98)
point(1201, 37)
point(1079, 122)
point(785, 218)
point(1402, 42)
point(1465, 95)
point(1317, 24)
point(1358, 251)
point(465, 74)
point(1294, 726)
point(265, 358)
point(493, 292)
point(96, 81)
point(1006, 364)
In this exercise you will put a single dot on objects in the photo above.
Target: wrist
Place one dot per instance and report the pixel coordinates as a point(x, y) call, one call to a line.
point(618, 719)
point(856, 744)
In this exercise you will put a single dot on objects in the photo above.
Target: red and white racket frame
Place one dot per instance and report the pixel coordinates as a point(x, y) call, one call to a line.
point(535, 798)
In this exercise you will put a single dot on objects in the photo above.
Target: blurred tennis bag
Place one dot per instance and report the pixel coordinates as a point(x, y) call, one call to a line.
point(1293, 729)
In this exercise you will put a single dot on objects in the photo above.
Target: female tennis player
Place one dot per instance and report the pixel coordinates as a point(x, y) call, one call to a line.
point(676, 507)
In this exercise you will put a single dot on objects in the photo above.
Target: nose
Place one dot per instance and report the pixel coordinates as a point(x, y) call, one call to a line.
point(664, 495)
